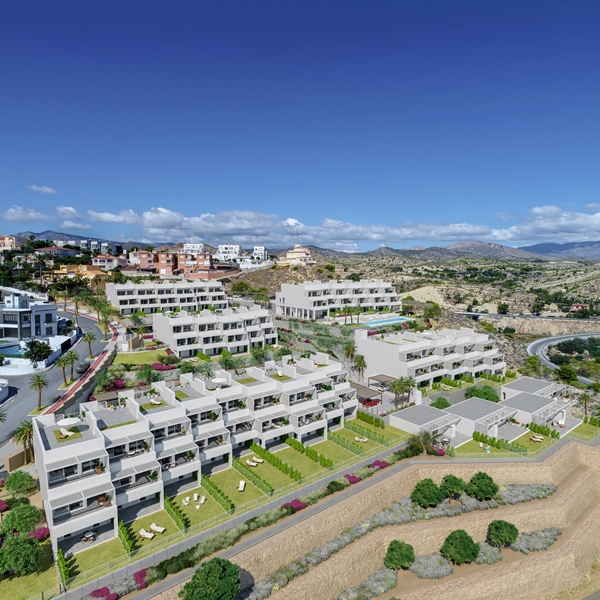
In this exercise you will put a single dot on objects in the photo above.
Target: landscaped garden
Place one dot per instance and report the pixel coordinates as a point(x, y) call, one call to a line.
point(147, 357)
point(334, 452)
point(305, 465)
point(274, 477)
point(532, 446)
point(160, 518)
point(228, 482)
point(350, 436)
point(473, 447)
point(209, 509)
point(390, 433)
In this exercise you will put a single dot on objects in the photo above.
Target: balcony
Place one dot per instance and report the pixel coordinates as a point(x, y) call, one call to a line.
point(77, 505)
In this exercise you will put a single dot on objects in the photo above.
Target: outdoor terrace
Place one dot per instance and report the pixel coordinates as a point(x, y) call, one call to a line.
point(131, 445)
point(73, 468)
point(50, 435)
point(110, 418)
point(80, 503)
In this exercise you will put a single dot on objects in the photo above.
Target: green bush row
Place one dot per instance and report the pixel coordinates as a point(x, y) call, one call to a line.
point(220, 496)
point(309, 452)
point(496, 378)
point(63, 568)
point(276, 462)
point(253, 477)
point(501, 443)
point(543, 430)
point(427, 494)
point(126, 538)
point(592, 421)
point(372, 420)
point(176, 514)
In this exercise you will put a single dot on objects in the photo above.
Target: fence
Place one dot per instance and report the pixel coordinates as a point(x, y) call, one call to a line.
point(508, 454)
point(375, 437)
point(52, 592)
point(345, 444)
point(585, 437)
point(252, 478)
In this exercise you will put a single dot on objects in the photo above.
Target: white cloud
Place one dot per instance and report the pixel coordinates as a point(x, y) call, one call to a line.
point(19, 213)
point(68, 212)
point(127, 217)
point(592, 206)
point(42, 189)
point(74, 225)
point(502, 216)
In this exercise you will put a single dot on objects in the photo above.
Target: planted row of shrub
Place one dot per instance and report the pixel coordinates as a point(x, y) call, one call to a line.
point(496, 378)
point(370, 419)
point(427, 494)
point(176, 514)
point(595, 421)
point(219, 495)
point(501, 443)
point(253, 477)
point(276, 462)
point(309, 452)
point(126, 537)
point(543, 430)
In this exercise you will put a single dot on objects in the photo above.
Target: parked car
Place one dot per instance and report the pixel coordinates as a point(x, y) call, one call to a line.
point(82, 367)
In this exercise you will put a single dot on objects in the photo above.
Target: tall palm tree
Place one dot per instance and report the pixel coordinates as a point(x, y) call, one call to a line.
point(72, 357)
point(63, 363)
point(411, 384)
point(357, 313)
point(350, 351)
point(105, 325)
point(89, 337)
point(585, 398)
point(37, 383)
point(23, 435)
point(360, 364)
point(2, 416)
point(396, 387)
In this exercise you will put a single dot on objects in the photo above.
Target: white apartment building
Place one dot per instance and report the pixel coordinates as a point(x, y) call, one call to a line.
point(134, 447)
point(236, 330)
point(316, 299)
point(193, 248)
point(260, 253)
point(22, 318)
point(153, 296)
point(228, 252)
point(429, 356)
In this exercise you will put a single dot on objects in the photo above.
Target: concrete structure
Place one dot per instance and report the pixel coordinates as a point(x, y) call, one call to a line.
point(12, 242)
point(228, 252)
point(316, 299)
point(236, 330)
point(56, 251)
point(260, 253)
point(190, 263)
point(298, 255)
point(429, 356)
point(106, 262)
point(532, 386)
point(189, 248)
point(127, 452)
point(22, 318)
point(153, 296)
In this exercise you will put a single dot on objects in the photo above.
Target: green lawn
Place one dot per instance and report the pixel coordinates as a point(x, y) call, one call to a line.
point(209, 509)
point(274, 477)
point(305, 465)
point(279, 377)
point(180, 395)
point(117, 425)
point(96, 556)
point(35, 411)
point(391, 434)
point(246, 380)
point(525, 440)
point(76, 434)
point(228, 481)
point(333, 451)
point(586, 429)
point(22, 588)
point(139, 358)
point(160, 518)
point(350, 435)
point(148, 406)
point(472, 447)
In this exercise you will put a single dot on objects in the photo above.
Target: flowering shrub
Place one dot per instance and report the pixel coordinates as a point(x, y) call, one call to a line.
point(381, 581)
point(3, 506)
point(431, 566)
point(160, 367)
point(117, 384)
point(381, 464)
point(41, 533)
point(170, 352)
point(536, 540)
point(352, 478)
point(140, 579)
point(101, 593)
point(296, 504)
point(2, 482)
point(148, 336)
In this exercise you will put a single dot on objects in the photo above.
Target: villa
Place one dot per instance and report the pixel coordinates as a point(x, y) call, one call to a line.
point(22, 318)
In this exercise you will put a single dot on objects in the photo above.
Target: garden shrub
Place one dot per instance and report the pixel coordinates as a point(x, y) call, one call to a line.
point(441, 403)
point(63, 568)
point(460, 548)
point(22, 519)
point(535, 541)
point(482, 486)
point(20, 554)
point(19, 483)
point(426, 493)
point(452, 486)
point(431, 566)
point(41, 533)
point(378, 583)
point(517, 493)
point(216, 492)
point(486, 392)
point(276, 462)
point(502, 533)
point(488, 555)
point(216, 579)
point(399, 555)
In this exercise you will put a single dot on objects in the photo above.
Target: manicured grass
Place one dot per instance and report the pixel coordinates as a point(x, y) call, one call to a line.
point(280, 377)
point(139, 358)
point(35, 411)
point(350, 435)
point(180, 395)
point(66, 387)
point(472, 447)
point(96, 556)
point(274, 477)
point(76, 434)
point(148, 406)
point(391, 434)
point(525, 441)
point(246, 380)
point(117, 425)
point(209, 509)
point(305, 465)
point(228, 482)
point(333, 451)
point(22, 588)
point(161, 518)
point(586, 429)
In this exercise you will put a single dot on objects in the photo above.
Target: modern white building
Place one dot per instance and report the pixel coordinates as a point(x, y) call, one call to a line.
point(316, 299)
point(234, 329)
point(260, 253)
point(130, 449)
point(22, 318)
point(166, 295)
point(192, 248)
point(228, 252)
point(431, 355)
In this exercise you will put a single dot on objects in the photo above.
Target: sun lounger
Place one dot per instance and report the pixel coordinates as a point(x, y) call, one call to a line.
point(197, 507)
point(537, 440)
point(202, 500)
point(155, 402)
point(279, 374)
point(146, 534)
point(185, 502)
point(257, 460)
point(561, 423)
point(195, 497)
point(357, 439)
point(242, 486)
point(66, 433)
point(157, 528)
point(250, 463)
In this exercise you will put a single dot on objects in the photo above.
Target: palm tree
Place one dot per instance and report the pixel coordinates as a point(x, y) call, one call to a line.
point(105, 325)
point(411, 384)
point(350, 351)
point(37, 383)
point(396, 387)
point(360, 365)
point(63, 363)
point(432, 311)
point(72, 357)
point(23, 435)
point(357, 313)
point(2, 416)
point(89, 337)
point(585, 398)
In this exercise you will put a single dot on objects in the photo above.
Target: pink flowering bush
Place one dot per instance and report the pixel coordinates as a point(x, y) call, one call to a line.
point(160, 367)
point(101, 593)
point(41, 533)
point(381, 464)
point(2, 482)
point(3, 506)
point(148, 336)
point(117, 384)
point(140, 579)
point(296, 504)
point(170, 352)
point(352, 478)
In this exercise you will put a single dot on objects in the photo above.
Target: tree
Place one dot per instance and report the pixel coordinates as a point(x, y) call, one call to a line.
point(63, 362)
point(37, 383)
point(460, 548)
point(105, 324)
point(532, 366)
point(567, 374)
point(452, 486)
point(36, 351)
point(72, 357)
point(350, 351)
point(410, 384)
point(21, 519)
point(89, 337)
point(482, 486)
point(360, 365)
point(2, 416)
point(426, 493)
point(20, 554)
point(503, 308)
point(259, 355)
point(18, 483)
point(585, 398)
point(145, 374)
point(216, 579)
point(396, 387)
point(502, 533)
point(226, 360)
point(432, 311)
point(486, 392)
point(441, 403)
point(399, 555)
point(23, 435)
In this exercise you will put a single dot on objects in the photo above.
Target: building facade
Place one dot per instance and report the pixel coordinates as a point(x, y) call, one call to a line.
point(157, 296)
point(228, 252)
point(12, 242)
point(298, 255)
point(316, 299)
point(22, 318)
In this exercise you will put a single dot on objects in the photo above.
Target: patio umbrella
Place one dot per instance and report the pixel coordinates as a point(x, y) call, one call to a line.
point(68, 422)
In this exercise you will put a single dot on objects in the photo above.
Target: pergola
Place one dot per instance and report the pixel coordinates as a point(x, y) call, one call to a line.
point(381, 379)
point(364, 393)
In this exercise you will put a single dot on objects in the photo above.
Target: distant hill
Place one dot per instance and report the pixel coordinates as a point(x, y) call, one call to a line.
point(575, 250)
point(488, 250)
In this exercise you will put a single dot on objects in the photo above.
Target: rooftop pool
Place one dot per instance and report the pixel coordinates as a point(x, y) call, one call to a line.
point(379, 322)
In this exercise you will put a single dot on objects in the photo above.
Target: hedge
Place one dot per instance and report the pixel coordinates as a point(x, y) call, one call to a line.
point(253, 477)
point(276, 462)
point(220, 496)
point(309, 452)
point(176, 514)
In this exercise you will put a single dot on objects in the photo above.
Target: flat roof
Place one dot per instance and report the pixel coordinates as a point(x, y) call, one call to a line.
point(474, 409)
point(528, 384)
point(382, 378)
point(420, 414)
point(530, 403)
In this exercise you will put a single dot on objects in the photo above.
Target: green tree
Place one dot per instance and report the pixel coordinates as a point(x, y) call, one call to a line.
point(20, 554)
point(23, 435)
point(432, 311)
point(397, 387)
point(585, 398)
point(105, 321)
point(441, 403)
point(410, 383)
point(503, 308)
point(502, 533)
point(487, 392)
point(360, 364)
point(2, 416)
point(460, 548)
point(146, 374)
point(350, 351)
point(63, 362)
point(567, 374)
point(89, 337)
point(21, 519)
point(532, 366)
point(482, 486)
point(399, 555)
point(72, 357)
point(452, 486)
point(18, 483)
point(426, 493)
point(36, 351)
point(216, 579)
point(259, 355)
point(37, 383)
point(226, 360)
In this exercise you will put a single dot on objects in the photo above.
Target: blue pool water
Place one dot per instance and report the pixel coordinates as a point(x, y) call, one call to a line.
point(386, 322)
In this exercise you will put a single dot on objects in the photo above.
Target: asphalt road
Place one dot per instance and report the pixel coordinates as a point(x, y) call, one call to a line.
point(23, 400)
point(538, 348)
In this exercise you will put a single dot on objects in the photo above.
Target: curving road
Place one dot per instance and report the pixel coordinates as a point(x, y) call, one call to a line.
point(538, 348)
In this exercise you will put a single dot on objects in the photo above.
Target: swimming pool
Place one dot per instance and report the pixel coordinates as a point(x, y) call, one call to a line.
point(385, 321)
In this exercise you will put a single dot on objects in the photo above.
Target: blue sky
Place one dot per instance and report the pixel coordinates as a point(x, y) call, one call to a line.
point(347, 124)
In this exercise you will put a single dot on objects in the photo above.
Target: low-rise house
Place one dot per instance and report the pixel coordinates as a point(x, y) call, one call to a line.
point(56, 251)
point(12, 242)
point(22, 318)
point(298, 255)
